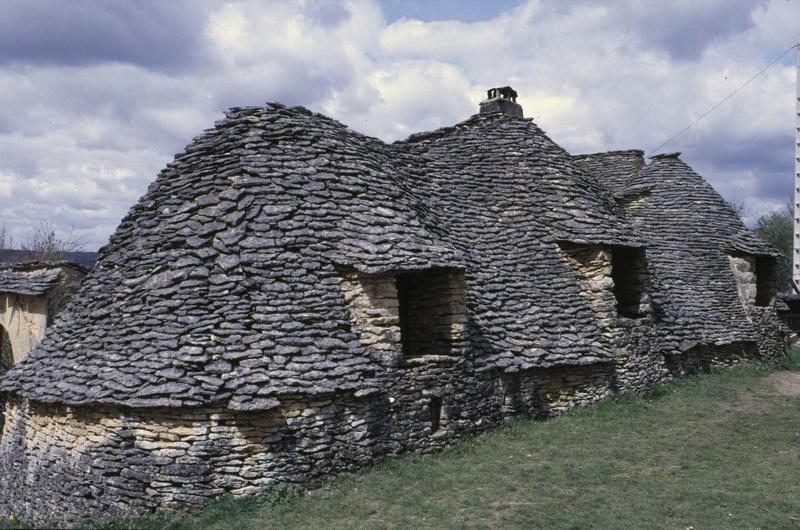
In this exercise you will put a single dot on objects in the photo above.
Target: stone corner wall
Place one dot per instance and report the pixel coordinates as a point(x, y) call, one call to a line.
point(757, 294)
point(25, 319)
point(773, 340)
point(743, 267)
point(630, 332)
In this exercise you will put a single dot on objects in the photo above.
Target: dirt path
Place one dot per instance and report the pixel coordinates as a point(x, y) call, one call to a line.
point(785, 383)
point(755, 400)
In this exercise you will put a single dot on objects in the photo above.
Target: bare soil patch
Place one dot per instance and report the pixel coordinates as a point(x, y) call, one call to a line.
point(785, 383)
point(746, 402)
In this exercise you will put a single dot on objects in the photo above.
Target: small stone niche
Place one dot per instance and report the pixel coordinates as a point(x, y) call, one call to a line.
point(431, 311)
point(629, 272)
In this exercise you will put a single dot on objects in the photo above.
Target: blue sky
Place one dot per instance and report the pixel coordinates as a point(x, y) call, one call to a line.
point(97, 96)
point(431, 10)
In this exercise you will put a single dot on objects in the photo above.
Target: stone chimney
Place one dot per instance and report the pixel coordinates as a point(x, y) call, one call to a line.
point(502, 99)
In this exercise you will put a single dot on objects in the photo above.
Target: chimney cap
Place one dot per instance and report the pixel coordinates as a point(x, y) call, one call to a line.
point(505, 92)
point(501, 99)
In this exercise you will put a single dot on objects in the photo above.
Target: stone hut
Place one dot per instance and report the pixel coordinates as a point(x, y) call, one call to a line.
point(292, 299)
point(695, 239)
point(31, 294)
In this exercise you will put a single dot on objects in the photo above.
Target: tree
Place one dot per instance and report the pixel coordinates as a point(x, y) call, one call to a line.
point(45, 244)
point(777, 229)
point(738, 208)
point(6, 242)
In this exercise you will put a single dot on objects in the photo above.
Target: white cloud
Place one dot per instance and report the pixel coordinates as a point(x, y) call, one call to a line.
point(80, 140)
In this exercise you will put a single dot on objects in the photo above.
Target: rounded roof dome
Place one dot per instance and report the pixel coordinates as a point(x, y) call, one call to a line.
point(222, 283)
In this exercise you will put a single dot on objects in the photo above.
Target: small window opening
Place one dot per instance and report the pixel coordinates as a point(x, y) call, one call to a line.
point(431, 309)
point(6, 353)
point(629, 272)
point(435, 411)
point(766, 280)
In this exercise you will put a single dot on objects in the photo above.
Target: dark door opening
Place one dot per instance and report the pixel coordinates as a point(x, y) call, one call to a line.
point(431, 305)
point(766, 280)
point(629, 272)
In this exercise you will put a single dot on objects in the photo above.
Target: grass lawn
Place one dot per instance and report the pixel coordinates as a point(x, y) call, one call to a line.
point(718, 450)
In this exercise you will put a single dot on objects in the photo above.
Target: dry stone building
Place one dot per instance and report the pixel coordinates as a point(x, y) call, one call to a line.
point(31, 294)
point(292, 299)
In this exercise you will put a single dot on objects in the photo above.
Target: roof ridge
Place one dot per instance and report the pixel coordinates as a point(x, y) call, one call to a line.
point(612, 152)
point(664, 156)
point(41, 264)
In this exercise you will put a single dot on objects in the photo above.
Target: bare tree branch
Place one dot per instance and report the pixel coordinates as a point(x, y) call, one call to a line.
point(46, 245)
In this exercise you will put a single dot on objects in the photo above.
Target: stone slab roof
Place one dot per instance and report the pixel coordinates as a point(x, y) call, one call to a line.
point(33, 278)
point(505, 194)
point(691, 231)
point(222, 284)
point(611, 169)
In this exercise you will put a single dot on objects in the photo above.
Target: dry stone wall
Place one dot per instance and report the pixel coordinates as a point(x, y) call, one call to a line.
point(639, 362)
point(744, 270)
point(100, 461)
point(702, 357)
point(553, 391)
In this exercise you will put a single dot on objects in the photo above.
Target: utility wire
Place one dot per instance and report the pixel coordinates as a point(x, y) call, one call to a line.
point(729, 96)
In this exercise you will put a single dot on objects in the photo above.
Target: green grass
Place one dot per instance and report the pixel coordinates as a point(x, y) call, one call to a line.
point(718, 450)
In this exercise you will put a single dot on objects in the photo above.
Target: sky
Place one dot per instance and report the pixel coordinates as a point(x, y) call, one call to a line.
point(97, 96)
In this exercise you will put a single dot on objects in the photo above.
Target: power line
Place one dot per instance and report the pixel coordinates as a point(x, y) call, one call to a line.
point(729, 96)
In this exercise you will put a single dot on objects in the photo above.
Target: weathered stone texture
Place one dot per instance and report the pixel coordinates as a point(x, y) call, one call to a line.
point(88, 461)
point(692, 233)
point(105, 460)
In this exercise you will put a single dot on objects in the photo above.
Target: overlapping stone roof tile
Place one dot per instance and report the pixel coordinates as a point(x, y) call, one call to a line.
point(691, 231)
point(506, 195)
point(222, 283)
point(33, 278)
point(611, 169)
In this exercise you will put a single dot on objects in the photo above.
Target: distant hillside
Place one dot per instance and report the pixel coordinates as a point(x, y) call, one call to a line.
point(86, 259)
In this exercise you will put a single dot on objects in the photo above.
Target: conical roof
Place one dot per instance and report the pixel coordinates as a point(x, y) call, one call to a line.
point(222, 283)
point(507, 195)
point(691, 231)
